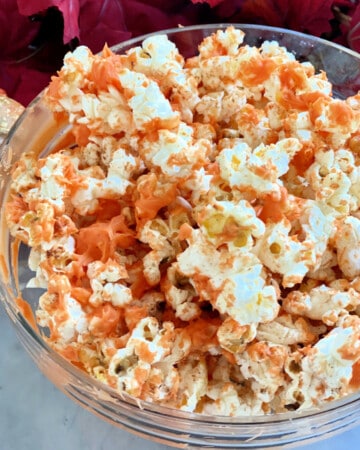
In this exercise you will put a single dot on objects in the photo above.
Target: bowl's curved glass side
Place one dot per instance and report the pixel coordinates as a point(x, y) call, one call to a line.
point(181, 429)
point(196, 432)
point(35, 131)
point(10, 150)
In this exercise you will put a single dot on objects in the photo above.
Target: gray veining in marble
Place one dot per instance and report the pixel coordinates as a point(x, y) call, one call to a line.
point(34, 415)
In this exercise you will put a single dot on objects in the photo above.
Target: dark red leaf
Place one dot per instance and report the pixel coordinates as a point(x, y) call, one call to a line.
point(142, 16)
point(102, 22)
point(309, 16)
point(212, 3)
point(348, 4)
point(16, 31)
point(69, 8)
point(353, 36)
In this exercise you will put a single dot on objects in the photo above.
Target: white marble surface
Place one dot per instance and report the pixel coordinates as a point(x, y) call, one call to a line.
point(34, 415)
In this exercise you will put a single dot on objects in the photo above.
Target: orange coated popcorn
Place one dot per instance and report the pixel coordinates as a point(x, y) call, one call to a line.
point(199, 244)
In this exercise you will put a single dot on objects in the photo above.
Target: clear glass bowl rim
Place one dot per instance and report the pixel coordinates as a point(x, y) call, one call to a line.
point(244, 26)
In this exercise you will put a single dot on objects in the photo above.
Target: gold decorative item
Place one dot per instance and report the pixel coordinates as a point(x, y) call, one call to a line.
point(10, 110)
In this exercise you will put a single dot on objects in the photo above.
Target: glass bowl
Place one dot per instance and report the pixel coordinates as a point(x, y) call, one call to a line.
point(36, 129)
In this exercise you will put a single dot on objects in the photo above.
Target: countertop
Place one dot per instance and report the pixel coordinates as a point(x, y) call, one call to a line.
point(34, 415)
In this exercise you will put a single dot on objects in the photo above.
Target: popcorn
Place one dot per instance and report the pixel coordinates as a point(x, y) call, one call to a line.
point(322, 303)
point(56, 168)
point(256, 169)
point(161, 250)
point(279, 252)
point(180, 299)
point(159, 59)
point(234, 337)
point(280, 247)
point(263, 364)
point(347, 244)
point(331, 184)
point(156, 57)
point(193, 379)
point(37, 225)
point(229, 222)
point(198, 241)
point(76, 322)
point(221, 106)
point(326, 370)
point(103, 281)
point(227, 401)
point(70, 321)
point(131, 374)
point(161, 385)
point(62, 250)
point(176, 152)
point(289, 329)
point(222, 41)
point(231, 281)
point(150, 342)
point(336, 117)
point(146, 101)
point(120, 168)
point(23, 174)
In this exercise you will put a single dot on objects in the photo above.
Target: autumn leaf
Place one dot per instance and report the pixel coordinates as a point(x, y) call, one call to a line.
point(69, 8)
point(211, 3)
point(353, 36)
point(15, 32)
point(308, 16)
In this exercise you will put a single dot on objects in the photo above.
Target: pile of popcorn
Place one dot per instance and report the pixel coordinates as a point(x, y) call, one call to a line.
point(199, 243)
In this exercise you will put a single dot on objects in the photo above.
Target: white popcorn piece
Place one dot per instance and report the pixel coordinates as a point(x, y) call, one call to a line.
point(70, 320)
point(277, 52)
point(153, 234)
point(221, 105)
point(157, 55)
point(180, 299)
point(283, 252)
point(234, 337)
point(76, 323)
point(257, 169)
point(159, 59)
point(146, 101)
point(161, 385)
point(289, 329)
point(331, 184)
point(322, 303)
point(107, 112)
point(52, 186)
point(337, 118)
point(347, 242)
point(227, 401)
point(234, 282)
point(151, 343)
point(121, 167)
point(229, 222)
point(23, 174)
point(193, 380)
point(326, 371)
point(176, 151)
point(104, 281)
point(61, 249)
point(263, 363)
point(147, 344)
point(131, 373)
point(227, 41)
